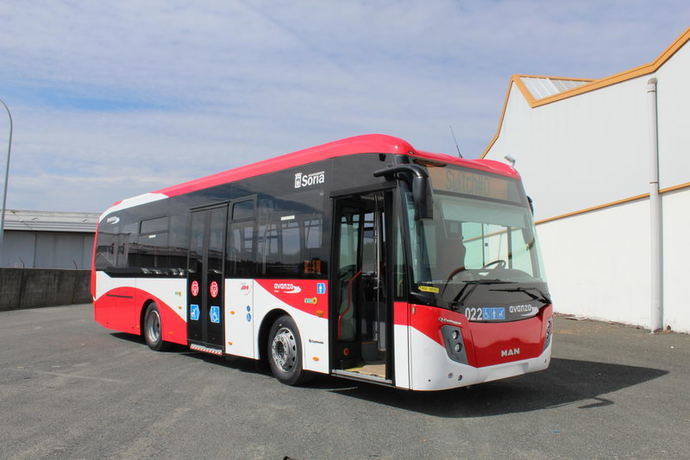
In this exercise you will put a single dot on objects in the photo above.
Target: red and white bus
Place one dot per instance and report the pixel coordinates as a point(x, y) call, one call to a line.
point(362, 258)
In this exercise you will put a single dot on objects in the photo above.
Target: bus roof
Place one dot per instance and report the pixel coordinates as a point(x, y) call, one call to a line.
point(368, 143)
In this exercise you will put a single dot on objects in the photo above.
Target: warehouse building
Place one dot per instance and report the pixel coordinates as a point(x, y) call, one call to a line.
point(42, 239)
point(588, 151)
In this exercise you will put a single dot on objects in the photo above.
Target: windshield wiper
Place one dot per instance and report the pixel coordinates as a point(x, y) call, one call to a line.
point(452, 274)
point(459, 298)
point(544, 298)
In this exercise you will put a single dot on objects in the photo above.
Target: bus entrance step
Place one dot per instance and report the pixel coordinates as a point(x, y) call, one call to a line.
point(206, 349)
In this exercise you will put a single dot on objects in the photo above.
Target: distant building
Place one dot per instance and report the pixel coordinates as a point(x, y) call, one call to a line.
point(584, 149)
point(44, 239)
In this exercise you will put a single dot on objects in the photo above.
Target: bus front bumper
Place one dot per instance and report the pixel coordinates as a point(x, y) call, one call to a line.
point(456, 375)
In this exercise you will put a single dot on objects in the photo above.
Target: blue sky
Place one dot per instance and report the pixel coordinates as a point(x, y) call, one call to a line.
point(113, 99)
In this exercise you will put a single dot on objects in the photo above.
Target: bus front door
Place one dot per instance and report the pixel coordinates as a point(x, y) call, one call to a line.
point(205, 279)
point(361, 309)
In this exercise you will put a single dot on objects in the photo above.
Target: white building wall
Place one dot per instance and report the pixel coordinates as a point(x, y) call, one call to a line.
point(592, 149)
point(597, 264)
point(673, 93)
point(579, 152)
point(676, 288)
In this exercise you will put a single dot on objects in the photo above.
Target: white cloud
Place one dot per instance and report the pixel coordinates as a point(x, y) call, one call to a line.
point(219, 84)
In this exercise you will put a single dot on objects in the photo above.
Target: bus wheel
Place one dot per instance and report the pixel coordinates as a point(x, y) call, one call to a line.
point(153, 329)
point(285, 352)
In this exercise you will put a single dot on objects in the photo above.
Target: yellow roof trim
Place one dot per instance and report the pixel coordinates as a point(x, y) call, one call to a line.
point(613, 203)
point(592, 85)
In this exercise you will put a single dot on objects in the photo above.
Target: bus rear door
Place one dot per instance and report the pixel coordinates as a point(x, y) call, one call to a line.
point(205, 309)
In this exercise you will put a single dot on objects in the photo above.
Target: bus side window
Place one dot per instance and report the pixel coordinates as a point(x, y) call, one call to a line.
point(178, 243)
point(291, 235)
point(292, 245)
point(128, 236)
point(313, 243)
point(152, 245)
point(240, 252)
point(106, 249)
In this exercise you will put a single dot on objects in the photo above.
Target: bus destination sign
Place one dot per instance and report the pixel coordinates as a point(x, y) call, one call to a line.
point(455, 180)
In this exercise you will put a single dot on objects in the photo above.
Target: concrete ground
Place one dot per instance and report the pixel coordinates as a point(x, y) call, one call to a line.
point(69, 388)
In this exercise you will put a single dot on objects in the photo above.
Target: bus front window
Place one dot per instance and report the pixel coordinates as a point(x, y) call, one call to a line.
point(485, 239)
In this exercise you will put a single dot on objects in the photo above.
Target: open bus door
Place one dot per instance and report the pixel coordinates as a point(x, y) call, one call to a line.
point(361, 311)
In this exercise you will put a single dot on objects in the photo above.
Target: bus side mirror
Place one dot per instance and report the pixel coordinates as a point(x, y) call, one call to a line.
point(418, 180)
point(421, 194)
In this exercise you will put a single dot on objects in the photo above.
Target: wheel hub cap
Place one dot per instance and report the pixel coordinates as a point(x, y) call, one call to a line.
point(284, 349)
point(153, 326)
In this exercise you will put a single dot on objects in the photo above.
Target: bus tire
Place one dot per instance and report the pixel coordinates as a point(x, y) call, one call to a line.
point(284, 352)
point(153, 328)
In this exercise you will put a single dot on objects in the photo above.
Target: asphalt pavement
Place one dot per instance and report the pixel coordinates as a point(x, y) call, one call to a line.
point(70, 388)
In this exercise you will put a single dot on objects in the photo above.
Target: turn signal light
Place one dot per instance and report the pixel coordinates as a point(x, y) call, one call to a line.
point(549, 333)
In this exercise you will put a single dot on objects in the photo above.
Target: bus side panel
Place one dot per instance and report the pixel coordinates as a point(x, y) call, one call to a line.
point(119, 303)
point(306, 301)
point(401, 321)
point(239, 318)
point(170, 295)
point(114, 304)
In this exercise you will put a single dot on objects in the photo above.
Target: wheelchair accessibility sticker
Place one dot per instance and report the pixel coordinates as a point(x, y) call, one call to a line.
point(214, 314)
point(320, 288)
point(194, 312)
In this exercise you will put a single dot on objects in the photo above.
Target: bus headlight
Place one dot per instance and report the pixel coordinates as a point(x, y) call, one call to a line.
point(452, 337)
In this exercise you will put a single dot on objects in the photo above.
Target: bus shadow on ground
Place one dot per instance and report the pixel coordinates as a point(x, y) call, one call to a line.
point(233, 362)
point(566, 381)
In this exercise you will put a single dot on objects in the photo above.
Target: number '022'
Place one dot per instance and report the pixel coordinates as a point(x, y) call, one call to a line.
point(473, 314)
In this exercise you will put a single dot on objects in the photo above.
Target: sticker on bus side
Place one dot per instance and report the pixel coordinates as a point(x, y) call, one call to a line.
point(214, 314)
point(194, 312)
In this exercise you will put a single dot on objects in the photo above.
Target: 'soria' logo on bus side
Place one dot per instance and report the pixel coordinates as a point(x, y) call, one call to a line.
point(510, 352)
point(305, 180)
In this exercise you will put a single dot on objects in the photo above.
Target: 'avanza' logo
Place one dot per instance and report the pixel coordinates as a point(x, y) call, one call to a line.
point(287, 288)
point(305, 180)
point(510, 352)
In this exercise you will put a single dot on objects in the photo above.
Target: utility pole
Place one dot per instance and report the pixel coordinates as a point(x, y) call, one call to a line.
point(7, 175)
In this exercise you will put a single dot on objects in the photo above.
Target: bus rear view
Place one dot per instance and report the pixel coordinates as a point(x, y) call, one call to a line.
point(364, 258)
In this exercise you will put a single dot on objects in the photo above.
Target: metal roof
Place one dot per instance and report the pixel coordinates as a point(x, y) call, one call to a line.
point(542, 87)
point(50, 221)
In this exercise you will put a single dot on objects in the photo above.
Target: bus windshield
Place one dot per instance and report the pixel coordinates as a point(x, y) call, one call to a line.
point(481, 234)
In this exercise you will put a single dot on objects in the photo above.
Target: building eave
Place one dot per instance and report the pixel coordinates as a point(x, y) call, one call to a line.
point(591, 85)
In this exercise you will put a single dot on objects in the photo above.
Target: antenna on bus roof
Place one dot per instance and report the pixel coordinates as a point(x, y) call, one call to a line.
point(452, 133)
